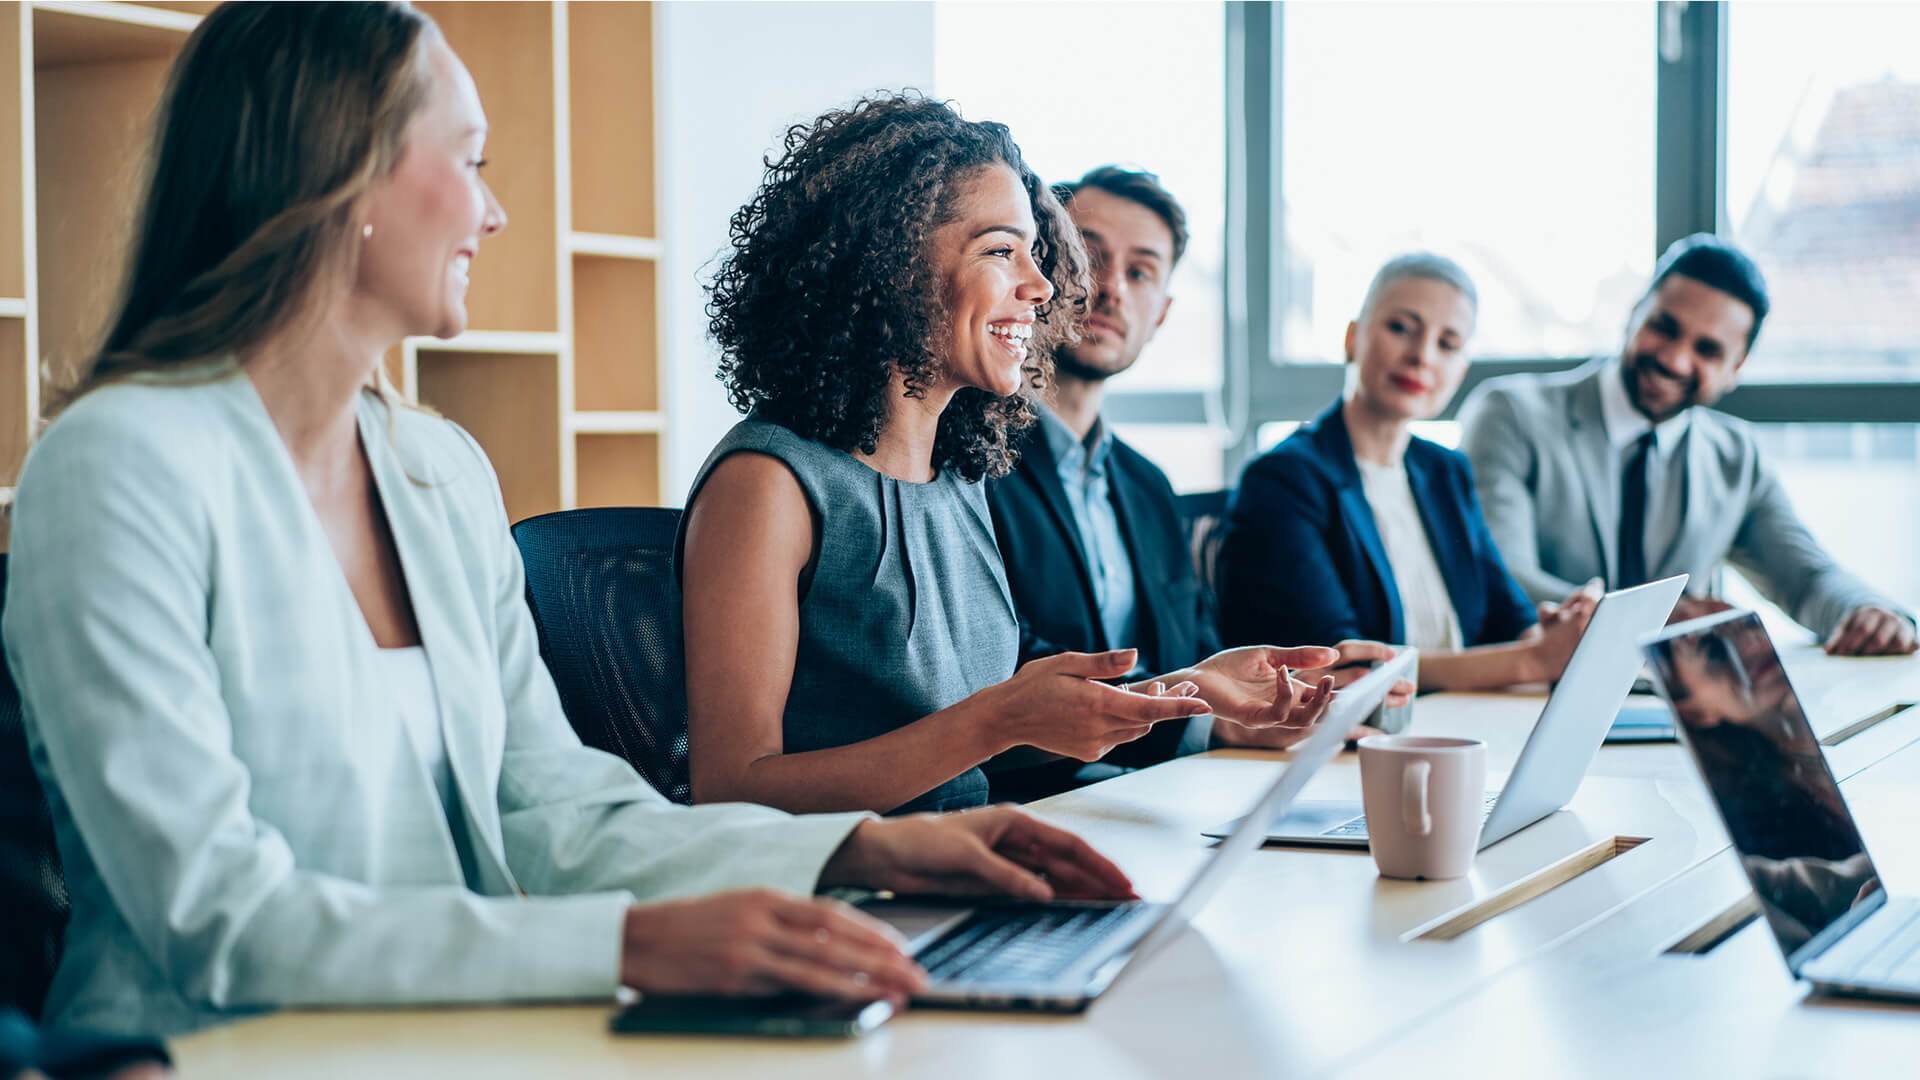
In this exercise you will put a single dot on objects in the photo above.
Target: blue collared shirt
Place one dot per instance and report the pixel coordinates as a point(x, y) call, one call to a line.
point(1082, 464)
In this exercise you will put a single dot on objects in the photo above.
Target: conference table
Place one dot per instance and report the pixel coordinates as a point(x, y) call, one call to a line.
point(1616, 935)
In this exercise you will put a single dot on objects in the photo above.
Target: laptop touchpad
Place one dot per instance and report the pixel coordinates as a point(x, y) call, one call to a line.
point(1315, 816)
point(1309, 818)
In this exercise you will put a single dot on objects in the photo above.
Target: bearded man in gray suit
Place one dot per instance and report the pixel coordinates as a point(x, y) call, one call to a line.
point(1610, 471)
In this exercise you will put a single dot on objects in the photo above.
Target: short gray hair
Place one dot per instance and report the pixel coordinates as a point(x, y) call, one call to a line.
point(1421, 264)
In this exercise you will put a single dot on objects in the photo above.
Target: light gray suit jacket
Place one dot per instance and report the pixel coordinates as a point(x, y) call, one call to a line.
point(1545, 474)
point(243, 820)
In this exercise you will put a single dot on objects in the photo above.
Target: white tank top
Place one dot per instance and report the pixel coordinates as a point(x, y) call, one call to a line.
point(1425, 605)
point(409, 683)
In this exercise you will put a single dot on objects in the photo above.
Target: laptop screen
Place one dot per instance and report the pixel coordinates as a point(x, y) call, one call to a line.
point(1742, 721)
point(1353, 705)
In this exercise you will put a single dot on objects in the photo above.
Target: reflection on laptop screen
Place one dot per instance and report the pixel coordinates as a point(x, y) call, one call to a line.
point(1758, 754)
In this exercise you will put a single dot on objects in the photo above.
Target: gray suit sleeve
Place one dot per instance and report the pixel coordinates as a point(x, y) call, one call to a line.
point(1501, 450)
point(1775, 550)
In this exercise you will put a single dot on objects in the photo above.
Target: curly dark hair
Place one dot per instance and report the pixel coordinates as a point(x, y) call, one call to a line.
point(828, 287)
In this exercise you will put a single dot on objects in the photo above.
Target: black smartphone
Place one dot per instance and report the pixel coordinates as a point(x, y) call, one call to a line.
point(778, 1016)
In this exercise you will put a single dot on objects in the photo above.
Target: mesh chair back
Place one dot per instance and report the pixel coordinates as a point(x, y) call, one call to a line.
point(1204, 513)
point(33, 891)
point(606, 600)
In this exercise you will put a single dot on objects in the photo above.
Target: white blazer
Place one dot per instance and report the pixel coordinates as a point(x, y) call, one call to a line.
point(242, 823)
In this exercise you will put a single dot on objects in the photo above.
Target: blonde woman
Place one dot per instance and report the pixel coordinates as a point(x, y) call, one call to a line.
point(279, 676)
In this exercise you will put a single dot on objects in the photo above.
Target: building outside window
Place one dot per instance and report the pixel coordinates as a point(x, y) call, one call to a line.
point(1521, 141)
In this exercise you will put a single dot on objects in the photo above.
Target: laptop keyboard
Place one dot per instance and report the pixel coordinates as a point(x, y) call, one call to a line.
point(1357, 828)
point(1889, 954)
point(996, 945)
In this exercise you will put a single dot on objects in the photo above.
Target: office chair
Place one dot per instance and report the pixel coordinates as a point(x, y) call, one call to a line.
point(33, 890)
point(606, 601)
point(1204, 515)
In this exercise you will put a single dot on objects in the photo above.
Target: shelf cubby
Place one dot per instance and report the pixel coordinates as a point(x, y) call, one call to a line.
point(82, 34)
point(616, 335)
point(509, 50)
point(559, 372)
point(13, 158)
point(16, 426)
point(610, 81)
point(510, 404)
point(183, 6)
point(617, 470)
point(97, 80)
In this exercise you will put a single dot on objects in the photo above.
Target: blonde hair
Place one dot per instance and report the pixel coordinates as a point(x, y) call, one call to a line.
point(276, 119)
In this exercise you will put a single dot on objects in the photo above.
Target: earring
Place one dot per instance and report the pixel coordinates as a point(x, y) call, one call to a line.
point(366, 231)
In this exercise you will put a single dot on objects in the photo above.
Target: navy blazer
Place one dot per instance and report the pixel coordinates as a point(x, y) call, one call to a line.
point(1053, 585)
point(1303, 562)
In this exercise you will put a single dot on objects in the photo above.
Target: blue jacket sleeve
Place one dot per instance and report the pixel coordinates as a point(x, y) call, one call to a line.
point(1280, 582)
point(1510, 611)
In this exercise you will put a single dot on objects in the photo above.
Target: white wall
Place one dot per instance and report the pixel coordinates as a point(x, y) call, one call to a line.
point(732, 77)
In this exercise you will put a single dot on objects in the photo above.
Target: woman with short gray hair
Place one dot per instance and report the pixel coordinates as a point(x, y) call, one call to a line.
point(1356, 528)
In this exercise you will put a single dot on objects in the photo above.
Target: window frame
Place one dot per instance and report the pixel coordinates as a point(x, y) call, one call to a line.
point(1690, 40)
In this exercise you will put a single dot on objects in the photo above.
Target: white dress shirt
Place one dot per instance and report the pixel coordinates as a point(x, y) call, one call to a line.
point(1425, 605)
point(1666, 472)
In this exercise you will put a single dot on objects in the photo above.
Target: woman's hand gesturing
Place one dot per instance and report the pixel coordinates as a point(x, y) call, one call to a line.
point(1253, 690)
point(1055, 704)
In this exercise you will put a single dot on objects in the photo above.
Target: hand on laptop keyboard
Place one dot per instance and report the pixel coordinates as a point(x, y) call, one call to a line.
point(1004, 945)
point(995, 849)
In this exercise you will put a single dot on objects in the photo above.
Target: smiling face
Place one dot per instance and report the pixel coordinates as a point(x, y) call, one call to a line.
point(1410, 348)
point(1685, 347)
point(990, 282)
point(1131, 249)
point(429, 214)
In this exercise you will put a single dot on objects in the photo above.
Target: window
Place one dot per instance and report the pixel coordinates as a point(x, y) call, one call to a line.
point(1130, 84)
point(1823, 183)
point(1857, 487)
point(1516, 139)
point(1192, 455)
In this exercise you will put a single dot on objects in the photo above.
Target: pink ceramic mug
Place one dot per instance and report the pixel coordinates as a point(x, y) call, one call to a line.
point(1423, 796)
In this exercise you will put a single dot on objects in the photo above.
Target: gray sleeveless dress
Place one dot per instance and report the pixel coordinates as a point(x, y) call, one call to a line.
point(905, 609)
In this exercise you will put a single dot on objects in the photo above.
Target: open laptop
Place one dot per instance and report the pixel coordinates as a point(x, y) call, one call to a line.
point(1059, 956)
point(1797, 841)
point(1577, 717)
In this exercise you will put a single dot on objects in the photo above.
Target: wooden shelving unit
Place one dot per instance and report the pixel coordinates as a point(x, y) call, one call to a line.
point(558, 375)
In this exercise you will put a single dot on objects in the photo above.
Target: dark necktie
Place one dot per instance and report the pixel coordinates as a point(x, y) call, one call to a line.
point(1633, 515)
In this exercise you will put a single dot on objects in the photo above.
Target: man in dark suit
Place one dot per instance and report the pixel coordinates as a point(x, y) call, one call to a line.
point(1095, 550)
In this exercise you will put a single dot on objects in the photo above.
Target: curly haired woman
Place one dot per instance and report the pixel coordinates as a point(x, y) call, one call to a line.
point(893, 288)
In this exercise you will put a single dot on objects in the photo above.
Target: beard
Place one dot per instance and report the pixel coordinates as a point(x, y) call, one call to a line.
point(1647, 366)
point(1071, 366)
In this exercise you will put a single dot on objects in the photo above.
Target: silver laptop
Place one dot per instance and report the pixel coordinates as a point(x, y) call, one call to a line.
point(1059, 956)
point(1797, 841)
point(1562, 744)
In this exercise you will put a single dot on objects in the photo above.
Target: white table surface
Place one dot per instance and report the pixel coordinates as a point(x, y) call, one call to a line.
point(1307, 962)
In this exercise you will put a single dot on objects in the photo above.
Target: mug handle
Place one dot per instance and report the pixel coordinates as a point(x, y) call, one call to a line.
point(1413, 798)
